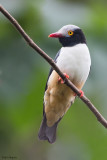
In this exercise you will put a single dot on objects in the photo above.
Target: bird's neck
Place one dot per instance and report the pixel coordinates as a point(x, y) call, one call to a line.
point(67, 42)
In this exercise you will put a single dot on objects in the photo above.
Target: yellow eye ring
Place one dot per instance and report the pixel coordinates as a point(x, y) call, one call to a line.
point(70, 33)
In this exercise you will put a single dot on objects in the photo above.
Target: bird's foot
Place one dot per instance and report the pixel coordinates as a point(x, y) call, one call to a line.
point(61, 80)
point(82, 93)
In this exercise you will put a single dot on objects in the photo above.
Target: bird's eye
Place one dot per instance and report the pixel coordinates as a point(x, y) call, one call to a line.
point(70, 33)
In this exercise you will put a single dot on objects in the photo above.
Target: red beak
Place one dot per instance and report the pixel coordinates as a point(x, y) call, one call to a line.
point(55, 35)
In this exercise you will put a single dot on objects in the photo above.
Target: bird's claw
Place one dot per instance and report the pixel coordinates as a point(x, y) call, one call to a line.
point(81, 95)
point(61, 80)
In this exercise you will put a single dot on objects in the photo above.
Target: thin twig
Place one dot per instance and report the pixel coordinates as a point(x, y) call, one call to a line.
point(31, 43)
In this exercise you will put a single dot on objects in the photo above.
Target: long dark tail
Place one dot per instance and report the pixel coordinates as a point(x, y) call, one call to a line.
point(47, 133)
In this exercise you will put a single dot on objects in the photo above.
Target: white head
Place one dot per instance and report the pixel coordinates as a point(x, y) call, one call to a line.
point(65, 29)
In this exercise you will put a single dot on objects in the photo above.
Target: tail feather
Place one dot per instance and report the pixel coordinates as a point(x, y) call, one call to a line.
point(47, 133)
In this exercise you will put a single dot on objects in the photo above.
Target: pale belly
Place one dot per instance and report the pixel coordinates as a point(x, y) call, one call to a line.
point(57, 99)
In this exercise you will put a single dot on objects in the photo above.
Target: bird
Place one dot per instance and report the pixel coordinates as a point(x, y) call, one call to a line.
point(74, 60)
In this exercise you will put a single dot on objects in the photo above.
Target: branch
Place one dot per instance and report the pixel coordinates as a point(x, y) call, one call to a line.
point(31, 43)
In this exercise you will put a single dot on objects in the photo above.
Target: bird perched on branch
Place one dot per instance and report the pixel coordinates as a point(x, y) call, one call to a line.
point(74, 61)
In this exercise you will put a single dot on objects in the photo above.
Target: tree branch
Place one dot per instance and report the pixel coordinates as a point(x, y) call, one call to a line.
point(31, 43)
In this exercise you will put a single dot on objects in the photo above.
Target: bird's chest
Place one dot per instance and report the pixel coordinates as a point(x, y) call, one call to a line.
point(75, 61)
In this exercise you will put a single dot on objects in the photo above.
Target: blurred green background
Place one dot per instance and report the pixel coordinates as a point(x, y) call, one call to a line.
point(23, 75)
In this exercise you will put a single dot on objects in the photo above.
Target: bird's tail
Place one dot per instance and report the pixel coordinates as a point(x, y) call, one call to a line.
point(47, 133)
